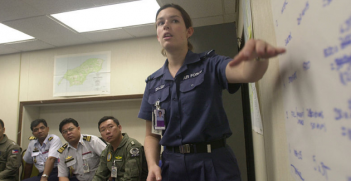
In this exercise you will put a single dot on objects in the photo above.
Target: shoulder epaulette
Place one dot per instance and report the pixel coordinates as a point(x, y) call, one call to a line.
point(205, 55)
point(60, 150)
point(150, 77)
point(87, 138)
point(32, 138)
point(210, 53)
point(154, 75)
point(51, 138)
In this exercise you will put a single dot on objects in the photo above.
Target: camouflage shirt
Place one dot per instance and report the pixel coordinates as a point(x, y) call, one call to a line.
point(129, 158)
point(10, 159)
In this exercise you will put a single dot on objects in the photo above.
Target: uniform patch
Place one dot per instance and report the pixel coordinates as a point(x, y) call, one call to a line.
point(32, 138)
point(51, 138)
point(159, 87)
point(87, 138)
point(15, 152)
point(192, 75)
point(86, 153)
point(134, 152)
point(118, 158)
point(35, 150)
point(109, 156)
point(68, 159)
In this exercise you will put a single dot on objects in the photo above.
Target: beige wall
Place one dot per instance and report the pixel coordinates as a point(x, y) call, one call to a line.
point(9, 83)
point(270, 97)
point(131, 62)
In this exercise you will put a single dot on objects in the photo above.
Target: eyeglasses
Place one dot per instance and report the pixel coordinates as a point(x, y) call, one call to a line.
point(37, 129)
point(109, 128)
point(70, 129)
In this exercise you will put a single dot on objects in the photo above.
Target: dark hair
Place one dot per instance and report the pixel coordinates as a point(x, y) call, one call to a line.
point(185, 16)
point(66, 121)
point(2, 123)
point(37, 122)
point(105, 118)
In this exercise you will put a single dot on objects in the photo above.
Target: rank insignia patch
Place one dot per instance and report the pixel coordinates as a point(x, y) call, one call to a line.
point(134, 152)
point(118, 158)
point(68, 159)
point(109, 156)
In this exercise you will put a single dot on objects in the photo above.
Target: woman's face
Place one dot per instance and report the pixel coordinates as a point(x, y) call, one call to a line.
point(171, 30)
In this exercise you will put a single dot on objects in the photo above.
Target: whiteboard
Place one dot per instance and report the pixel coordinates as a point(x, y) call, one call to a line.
point(316, 83)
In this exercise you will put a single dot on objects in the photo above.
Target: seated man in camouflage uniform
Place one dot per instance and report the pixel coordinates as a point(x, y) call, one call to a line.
point(124, 158)
point(10, 157)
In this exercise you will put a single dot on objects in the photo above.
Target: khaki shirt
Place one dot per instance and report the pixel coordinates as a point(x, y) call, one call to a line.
point(129, 158)
point(88, 150)
point(10, 159)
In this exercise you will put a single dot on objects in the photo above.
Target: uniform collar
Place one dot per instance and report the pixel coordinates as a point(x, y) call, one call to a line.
point(4, 139)
point(45, 141)
point(80, 141)
point(124, 140)
point(190, 58)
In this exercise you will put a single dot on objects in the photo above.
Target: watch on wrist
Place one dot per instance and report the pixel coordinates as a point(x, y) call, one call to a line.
point(44, 175)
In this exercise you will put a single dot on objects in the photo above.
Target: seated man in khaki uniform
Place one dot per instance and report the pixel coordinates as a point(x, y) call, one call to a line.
point(10, 157)
point(124, 158)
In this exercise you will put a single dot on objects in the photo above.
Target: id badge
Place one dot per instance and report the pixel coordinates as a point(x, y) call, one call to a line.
point(153, 130)
point(159, 115)
point(114, 170)
point(85, 166)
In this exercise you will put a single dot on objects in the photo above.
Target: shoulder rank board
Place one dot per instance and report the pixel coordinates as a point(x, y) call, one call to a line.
point(62, 148)
point(87, 138)
point(32, 138)
point(51, 138)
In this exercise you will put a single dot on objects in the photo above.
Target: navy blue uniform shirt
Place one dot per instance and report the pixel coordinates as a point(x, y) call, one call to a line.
point(192, 100)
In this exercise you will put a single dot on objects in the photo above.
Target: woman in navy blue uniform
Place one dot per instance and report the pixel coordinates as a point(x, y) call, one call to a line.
point(187, 89)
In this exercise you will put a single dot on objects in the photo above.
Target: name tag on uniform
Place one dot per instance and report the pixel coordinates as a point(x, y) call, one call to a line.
point(87, 155)
point(35, 153)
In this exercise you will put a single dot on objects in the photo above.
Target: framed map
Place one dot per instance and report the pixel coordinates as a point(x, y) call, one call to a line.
point(82, 74)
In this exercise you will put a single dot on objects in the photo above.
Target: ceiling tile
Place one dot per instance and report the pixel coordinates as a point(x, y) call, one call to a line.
point(30, 45)
point(199, 8)
point(207, 21)
point(142, 30)
point(16, 9)
point(4, 49)
point(99, 36)
point(59, 6)
point(47, 30)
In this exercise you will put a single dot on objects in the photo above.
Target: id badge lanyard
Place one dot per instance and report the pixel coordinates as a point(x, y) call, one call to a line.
point(114, 170)
point(159, 116)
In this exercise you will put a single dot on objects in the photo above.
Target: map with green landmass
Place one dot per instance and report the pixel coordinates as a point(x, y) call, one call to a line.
point(78, 75)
